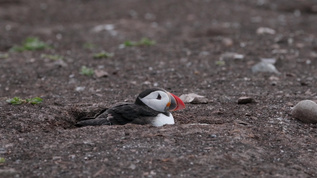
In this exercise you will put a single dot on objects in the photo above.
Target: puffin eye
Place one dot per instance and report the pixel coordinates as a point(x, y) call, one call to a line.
point(159, 97)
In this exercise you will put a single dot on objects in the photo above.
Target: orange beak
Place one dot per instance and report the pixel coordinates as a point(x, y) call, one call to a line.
point(176, 103)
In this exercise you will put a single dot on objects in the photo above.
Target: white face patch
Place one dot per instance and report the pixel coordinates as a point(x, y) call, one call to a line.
point(156, 100)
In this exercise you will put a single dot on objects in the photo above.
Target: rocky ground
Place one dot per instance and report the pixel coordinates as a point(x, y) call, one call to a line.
point(201, 46)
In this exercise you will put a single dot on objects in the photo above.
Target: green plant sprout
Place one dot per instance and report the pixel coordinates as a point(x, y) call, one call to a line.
point(129, 43)
point(18, 101)
point(2, 160)
point(86, 71)
point(89, 46)
point(103, 54)
point(3, 55)
point(52, 57)
point(146, 42)
point(142, 42)
point(36, 100)
point(220, 63)
point(30, 44)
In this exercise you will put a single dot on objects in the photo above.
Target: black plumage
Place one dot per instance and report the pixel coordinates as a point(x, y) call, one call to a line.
point(122, 114)
point(136, 113)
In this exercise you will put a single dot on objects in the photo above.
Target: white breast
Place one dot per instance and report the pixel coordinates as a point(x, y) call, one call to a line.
point(162, 119)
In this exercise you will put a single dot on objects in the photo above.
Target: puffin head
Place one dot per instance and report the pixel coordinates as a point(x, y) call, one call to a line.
point(160, 100)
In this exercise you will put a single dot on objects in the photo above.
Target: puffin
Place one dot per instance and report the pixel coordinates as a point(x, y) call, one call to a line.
point(152, 106)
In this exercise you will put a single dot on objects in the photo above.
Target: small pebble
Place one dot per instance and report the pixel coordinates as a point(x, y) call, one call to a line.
point(306, 111)
point(245, 100)
point(273, 78)
point(101, 73)
point(264, 67)
point(60, 63)
point(274, 83)
point(313, 54)
point(80, 88)
point(99, 28)
point(132, 166)
point(227, 42)
point(231, 55)
point(147, 83)
point(265, 30)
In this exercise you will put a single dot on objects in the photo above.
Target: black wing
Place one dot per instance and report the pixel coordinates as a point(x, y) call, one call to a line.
point(129, 113)
point(122, 114)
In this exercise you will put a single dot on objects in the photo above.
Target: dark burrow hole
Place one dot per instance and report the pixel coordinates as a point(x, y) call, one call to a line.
point(81, 112)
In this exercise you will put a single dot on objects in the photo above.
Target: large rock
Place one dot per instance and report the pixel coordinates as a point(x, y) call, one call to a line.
point(306, 111)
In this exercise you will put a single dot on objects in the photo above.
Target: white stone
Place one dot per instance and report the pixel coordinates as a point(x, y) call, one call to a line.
point(193, 98)
point(264, 67)
point(265, 30)
point(231, 55)
point(80, 88)
point(306, 111)
point(99, 28)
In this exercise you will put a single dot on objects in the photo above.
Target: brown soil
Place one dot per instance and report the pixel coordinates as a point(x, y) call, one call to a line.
point(218, 139)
